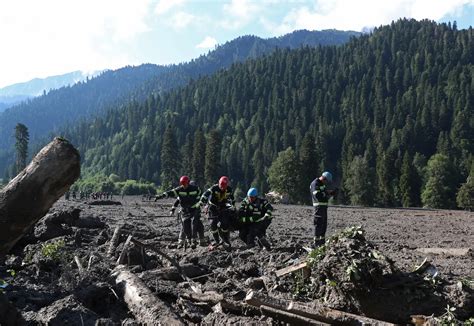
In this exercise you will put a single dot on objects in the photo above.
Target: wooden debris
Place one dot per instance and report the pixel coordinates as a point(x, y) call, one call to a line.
point(114, 241)
point(288, 317)
point(29, 196)
point(123, 254)
point(79, 265)
point(295, 268)
point(314, 311)
point(145, 306)
point(446, 251)
point(218, 302)
point(208, 297)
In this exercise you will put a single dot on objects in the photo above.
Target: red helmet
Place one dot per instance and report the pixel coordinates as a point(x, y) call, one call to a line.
point(184, 180)
point(223, 182)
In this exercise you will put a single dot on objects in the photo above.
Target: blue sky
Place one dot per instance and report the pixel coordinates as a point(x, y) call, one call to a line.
point(52, 37)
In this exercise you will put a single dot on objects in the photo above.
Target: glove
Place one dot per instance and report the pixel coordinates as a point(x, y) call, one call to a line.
point(267, 217)
point(159, 197)
point(172, 211)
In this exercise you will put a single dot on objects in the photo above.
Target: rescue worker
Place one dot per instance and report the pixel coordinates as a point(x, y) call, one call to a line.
point(320, 196)
point(255, 216)
point(221, 205)
point(188, 196)
point(197, 226)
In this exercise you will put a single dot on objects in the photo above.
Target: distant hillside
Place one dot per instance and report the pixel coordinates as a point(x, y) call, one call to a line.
point(48, 113)
point(16, 93)
point(390, 114)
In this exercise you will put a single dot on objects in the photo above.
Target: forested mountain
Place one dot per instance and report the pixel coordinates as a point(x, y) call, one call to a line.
point(66, 105)
point(388, 113)
point(16, 93)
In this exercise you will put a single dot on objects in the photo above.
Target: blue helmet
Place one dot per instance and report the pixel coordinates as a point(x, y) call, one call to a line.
point(327, 175)
point(253, 192)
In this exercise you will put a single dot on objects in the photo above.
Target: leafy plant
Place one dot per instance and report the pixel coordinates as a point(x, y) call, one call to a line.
point(53, 250)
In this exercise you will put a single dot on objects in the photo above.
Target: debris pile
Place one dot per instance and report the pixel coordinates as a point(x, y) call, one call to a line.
point(76, 267)
point(349, 273)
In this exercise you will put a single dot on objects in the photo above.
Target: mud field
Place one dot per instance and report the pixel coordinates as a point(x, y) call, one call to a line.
point(65, 271)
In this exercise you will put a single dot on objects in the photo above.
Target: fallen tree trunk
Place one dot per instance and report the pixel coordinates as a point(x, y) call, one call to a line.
point(314, 311)
point(145, 306)
point(288, 317)
point(30, 195)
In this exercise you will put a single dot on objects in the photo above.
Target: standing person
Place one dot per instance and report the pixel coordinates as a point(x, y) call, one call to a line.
point(320, 196)
point(197, 226)
point(188, 196)
point(221, 203)
point(255, 216)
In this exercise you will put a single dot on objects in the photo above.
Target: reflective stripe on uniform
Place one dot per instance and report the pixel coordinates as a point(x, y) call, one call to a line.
point(320, 204)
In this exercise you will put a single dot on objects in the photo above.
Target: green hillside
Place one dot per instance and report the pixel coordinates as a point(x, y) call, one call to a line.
point(389, 114)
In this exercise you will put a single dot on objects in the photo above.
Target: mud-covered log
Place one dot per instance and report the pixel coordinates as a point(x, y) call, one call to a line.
point(145, 306)
point(289, 317)
point(114, 241)
point(30, 195)
point(313, 311)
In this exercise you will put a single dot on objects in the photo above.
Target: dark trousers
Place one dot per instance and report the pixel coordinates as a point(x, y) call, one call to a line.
point(320, 224)
point(191, 224)
point(250, 231)
point(220, 221)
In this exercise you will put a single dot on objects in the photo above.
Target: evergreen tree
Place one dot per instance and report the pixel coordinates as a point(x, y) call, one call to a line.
point(358, 182)
point(309, 166)
point(407, 177)
point(21, 145)
point(465, 196)
point(212, 166)
point(199, 156)
point(283, 176)
point(440, 188)
point(170, 163)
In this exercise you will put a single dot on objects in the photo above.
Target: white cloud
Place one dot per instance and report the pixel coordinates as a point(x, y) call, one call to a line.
point(355, 15)
point(182, 20)
point(208, 43)
point(239, 13)
point(164, 6)
point(43, 38)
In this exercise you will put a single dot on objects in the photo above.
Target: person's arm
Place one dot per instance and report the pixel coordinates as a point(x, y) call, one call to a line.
point(243, 213)
point(205, 196)
point(168, 194)
point(268, 209)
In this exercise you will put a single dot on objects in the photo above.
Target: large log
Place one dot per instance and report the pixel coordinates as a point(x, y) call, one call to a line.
point(145, 306)
point(314, 311)
point(30, 195)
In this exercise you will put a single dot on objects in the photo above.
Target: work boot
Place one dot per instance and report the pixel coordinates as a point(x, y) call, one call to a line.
point(318, 242)
point(193, 243)
point(263, 243)
point(181, 243)
point(216, 238)
point(226, 239)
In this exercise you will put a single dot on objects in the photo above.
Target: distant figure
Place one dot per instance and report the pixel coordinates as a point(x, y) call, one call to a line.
point(255, 216)
point(320, 196)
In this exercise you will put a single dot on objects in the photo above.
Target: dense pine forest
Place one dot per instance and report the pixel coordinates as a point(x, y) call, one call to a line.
point(390, 114)
point(65, 106)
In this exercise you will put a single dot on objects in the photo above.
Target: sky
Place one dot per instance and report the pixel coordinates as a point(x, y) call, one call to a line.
point(52, 37)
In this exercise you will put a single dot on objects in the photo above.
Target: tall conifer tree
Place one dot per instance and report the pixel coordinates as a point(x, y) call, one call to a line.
point(212, 167)
point(22, 137)
point(170, 163)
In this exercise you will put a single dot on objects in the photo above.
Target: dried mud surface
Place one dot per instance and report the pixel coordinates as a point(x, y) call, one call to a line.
point(49, 289)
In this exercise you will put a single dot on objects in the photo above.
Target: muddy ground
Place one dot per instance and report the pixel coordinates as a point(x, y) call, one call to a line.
point(46, 287)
